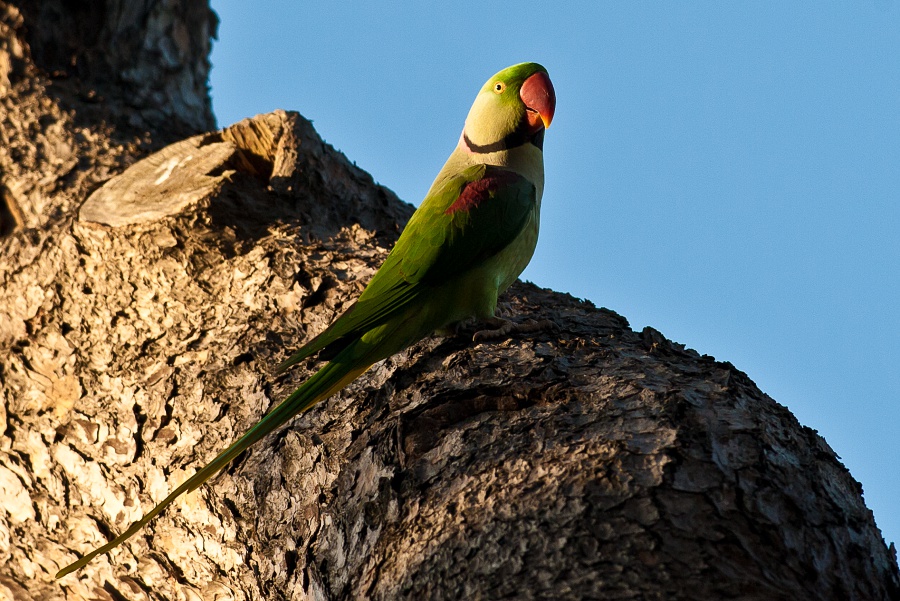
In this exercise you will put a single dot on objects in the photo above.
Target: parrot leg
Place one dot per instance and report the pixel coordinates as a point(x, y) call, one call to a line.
point(503, 328)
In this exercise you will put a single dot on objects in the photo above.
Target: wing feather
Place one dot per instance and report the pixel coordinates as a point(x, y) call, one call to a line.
point(465, 221)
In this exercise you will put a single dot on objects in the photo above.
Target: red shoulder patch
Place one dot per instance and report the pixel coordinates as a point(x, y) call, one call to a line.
point(474, 193)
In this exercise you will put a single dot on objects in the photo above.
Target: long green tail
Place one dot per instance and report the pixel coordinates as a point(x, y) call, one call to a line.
point(324, 383)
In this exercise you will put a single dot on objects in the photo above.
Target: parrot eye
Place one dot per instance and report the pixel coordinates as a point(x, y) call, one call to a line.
point(499, 87)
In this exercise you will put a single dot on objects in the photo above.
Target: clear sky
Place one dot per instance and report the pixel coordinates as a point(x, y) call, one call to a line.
point(728, 173)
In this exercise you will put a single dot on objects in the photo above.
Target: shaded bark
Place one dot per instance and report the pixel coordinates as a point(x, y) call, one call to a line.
point(141, 315)
point(142, 64)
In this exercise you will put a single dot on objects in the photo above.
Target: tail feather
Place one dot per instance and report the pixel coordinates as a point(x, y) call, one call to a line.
point(324, 383)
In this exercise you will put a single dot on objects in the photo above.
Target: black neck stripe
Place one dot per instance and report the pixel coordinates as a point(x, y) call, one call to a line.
point(513, 140)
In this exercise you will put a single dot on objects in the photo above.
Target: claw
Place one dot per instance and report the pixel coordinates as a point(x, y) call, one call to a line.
point(503, 328)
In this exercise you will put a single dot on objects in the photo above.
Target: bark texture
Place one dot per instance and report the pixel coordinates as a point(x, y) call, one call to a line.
point(145, 298)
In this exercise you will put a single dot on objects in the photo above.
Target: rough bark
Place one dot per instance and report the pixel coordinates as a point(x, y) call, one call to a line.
point(141, 315)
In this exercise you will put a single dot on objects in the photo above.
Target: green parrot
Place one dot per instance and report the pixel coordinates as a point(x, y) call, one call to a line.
point(471, 237)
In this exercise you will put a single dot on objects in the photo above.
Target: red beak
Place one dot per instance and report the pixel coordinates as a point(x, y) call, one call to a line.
point(540, 100)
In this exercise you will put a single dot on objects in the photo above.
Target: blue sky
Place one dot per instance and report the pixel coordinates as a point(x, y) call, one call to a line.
point(726, 173)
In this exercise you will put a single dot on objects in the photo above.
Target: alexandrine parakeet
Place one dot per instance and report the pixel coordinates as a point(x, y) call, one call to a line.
point(472, 236)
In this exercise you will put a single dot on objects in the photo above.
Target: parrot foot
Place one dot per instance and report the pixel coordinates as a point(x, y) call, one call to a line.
point(503, 328)
point(503, 310)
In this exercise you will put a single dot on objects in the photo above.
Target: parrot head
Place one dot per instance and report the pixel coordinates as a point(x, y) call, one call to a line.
point(513, 107)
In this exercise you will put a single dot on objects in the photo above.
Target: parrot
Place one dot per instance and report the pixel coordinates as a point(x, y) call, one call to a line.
point(470, 238)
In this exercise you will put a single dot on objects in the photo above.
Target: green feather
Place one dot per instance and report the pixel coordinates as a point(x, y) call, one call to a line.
point(433, 248)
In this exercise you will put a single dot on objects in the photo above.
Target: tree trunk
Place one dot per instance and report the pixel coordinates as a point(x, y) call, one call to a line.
point(144, 303)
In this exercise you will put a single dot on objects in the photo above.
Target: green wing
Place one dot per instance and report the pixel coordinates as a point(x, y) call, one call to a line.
point(469, 218)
